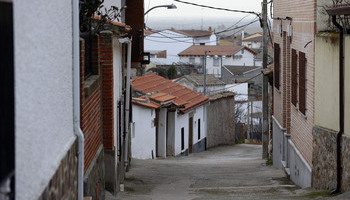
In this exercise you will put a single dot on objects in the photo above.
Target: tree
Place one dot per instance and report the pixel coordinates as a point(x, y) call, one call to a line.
point(172, 72)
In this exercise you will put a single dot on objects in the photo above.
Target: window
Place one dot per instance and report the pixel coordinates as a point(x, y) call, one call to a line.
point(276, 70)
point(202, 44)
point(216, 61)
point(88, 54)
point(237, 57)
point(182, 138)
point(294, 77)
point(302, 82)
point(191, 60)
point(199, 129)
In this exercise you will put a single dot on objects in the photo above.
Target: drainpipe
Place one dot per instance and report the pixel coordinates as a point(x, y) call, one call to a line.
point(76, 98)
point(127, 100)
point(341, 102)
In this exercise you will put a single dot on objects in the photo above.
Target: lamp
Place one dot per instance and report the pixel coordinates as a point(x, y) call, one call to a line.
point(171, 6)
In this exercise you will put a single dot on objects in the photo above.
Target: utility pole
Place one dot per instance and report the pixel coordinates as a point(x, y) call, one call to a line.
point(265, 127)
point(205, 73)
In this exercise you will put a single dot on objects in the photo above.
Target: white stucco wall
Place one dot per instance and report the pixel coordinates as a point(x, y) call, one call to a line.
point(117, 80)
point(144, 140)
point(161, 41)
point(162, 132)
point(43, 92)
point(209, 40)
point(199, 114)
point(247, 59)
point(181, 121)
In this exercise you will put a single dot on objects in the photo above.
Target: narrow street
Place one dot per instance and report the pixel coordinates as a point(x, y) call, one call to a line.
point(230, 172)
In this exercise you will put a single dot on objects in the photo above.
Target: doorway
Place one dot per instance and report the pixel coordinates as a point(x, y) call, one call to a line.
point(190, 135)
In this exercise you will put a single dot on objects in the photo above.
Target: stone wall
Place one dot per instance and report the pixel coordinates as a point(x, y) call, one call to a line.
point(324, 156)
point(64, 183)
point(94, 178)
point(221, 120)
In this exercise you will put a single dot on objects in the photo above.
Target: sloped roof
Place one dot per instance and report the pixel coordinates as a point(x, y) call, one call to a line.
point(193, 33)
point(185, 98)
point(199, 50)
point(142, 101)
point(254, 39)
point(198, 79)
point(239, 70)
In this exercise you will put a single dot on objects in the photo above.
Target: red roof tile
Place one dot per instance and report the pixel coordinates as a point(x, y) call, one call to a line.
point(162, 97)
point(199, 50)
point(144, 102)
point(184, 97)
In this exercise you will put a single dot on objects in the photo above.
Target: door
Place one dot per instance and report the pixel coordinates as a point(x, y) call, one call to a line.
point(7, 107)
point(190, 135)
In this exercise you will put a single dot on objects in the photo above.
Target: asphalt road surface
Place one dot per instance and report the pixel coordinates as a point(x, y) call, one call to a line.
point(229, 172)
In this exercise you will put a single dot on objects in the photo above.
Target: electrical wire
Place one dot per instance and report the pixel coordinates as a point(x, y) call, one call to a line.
point(216, 8)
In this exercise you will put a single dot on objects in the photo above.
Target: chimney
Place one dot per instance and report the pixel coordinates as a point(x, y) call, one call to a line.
point(242, 35)
point(210, 29)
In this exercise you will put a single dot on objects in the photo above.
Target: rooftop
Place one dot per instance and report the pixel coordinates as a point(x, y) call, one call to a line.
point(194, 33)
point(239, 70)
point(185, 98)
point(197, 79)
point(199, 50)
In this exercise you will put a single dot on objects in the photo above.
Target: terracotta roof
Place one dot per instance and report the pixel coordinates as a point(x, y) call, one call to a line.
point(199, 50)
point(185, 98)
point(162, 97)
point(145, 102)
point(197, 79)
point(193, 33)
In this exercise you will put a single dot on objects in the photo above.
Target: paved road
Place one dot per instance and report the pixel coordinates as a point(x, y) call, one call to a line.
point(230, 172)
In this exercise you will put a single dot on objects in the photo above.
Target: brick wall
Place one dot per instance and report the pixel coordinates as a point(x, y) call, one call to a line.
point(106, 56)
point(90, 106)
point(298, 125)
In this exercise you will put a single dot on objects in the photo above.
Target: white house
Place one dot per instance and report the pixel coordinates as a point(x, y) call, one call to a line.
point(218, 56)
point(171, 117)
point(196, 82)
point(253, 41)
point(174, 41)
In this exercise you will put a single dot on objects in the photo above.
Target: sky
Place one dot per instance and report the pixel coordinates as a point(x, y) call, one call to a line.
point(189, 14)
point(193, 12)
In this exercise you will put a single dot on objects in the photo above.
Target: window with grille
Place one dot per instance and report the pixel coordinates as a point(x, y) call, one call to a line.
point(277, 52)
point(302, 82)
point(192, 60)
point(294, 77)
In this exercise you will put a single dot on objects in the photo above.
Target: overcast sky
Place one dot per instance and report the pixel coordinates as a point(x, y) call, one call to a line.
point(184, 11)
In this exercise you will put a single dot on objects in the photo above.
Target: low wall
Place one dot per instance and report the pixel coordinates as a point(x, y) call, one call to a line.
point(324, 175)
point(64, 183)
point(94, 178)
point(221, 120)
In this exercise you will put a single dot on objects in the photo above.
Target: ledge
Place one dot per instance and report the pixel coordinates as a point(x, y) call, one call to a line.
point(91, 84)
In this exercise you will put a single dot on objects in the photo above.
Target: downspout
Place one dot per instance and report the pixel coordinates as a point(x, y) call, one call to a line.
point(76, 99)
point(128, 41)
point(341, 102)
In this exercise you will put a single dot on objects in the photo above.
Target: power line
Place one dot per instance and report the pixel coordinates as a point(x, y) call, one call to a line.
point(216, 8)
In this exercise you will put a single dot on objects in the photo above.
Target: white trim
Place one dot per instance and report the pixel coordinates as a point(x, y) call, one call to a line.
point(279, 125)
point(299, 155)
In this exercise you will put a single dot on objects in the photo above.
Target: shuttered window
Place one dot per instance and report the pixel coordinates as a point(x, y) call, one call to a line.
point(294, 77)
point(302, 82)
point(277, 65)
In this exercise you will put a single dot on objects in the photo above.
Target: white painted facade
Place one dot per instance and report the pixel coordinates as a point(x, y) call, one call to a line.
point(143, 137)
point(214, 63)
point(173, 42)
point(252, 44)
point(43, 92)
point(162, 41)
point(143, 141)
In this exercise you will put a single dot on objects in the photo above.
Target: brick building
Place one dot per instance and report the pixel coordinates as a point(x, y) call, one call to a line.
point(293, 118)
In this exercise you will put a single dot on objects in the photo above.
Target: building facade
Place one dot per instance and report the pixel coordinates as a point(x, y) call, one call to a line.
point(294, 72)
